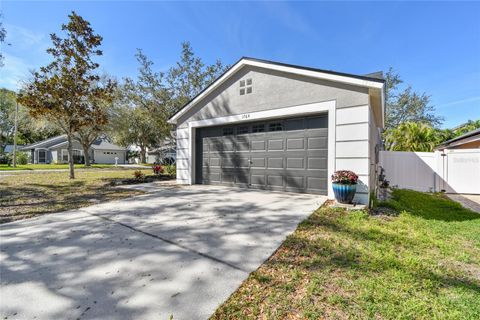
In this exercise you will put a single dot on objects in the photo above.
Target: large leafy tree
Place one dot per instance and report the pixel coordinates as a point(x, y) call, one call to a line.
point(142, 112)
point(147, 102)
point(29, 130)
point(189, 76)
point(413, 136)
point(7, 112)
point(3, 35)
point(406, 105)
point(98, 120)
point(66, 90)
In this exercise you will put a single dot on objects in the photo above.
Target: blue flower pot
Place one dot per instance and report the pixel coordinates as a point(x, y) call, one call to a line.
point(344, 193)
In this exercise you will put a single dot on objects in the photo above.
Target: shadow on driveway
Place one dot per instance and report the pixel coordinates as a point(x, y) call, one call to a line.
point(174, 251)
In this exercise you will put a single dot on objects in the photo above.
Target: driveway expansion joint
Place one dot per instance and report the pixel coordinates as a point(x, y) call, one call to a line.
point(204, 255)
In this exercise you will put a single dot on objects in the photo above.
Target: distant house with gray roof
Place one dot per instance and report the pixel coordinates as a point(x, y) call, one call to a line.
point(54, 150)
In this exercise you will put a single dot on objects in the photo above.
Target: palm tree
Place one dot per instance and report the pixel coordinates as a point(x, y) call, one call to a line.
point(412, 136)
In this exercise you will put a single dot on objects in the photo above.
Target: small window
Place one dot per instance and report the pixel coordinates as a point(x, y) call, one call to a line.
point(246, 86)
point(242, 130)
point(227, 131)
point(276, 126)
point(258, 128)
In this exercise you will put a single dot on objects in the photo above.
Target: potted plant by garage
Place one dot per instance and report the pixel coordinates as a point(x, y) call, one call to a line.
point(344, 185)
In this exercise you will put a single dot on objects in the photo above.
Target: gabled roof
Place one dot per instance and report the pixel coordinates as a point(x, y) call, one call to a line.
point(60, 141)
point(46, 143)
point(104, 144)
point(371, 81)
point(464, 138)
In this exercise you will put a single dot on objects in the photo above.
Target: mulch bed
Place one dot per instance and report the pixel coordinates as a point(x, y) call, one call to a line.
point(146, 179)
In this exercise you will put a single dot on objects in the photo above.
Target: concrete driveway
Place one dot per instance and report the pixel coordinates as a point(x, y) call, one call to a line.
point(177, 251)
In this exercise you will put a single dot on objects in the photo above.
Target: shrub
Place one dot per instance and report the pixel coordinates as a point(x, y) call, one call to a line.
point(170, 170)
point(139, 175)
point(157, 169)
point(5, 158)
point(22, 158)
point(344, 177)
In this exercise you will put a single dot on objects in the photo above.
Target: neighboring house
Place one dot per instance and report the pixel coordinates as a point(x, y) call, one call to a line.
point(166, 154)
point(9, 148)
point(275, 126)
point(469, 140)
point(54, 150)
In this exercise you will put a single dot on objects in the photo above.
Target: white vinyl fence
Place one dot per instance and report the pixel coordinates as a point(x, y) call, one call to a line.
point(453, 171)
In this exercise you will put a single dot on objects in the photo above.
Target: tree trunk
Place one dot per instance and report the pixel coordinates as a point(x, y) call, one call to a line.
point(70, 157)
point(86, 155)
point(143, 152)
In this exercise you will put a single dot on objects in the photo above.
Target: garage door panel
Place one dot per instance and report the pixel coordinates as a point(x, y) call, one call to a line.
point(289, 155)
point(316, 183)
point(258, 145)
point(295, 125)
point(295, 143)
point(317, 122)
point(317, 143)
point(258, 179)
point(316, 163)
point(295, 163)
point(275, 163)
point(275, 180)
point(276, 144)
point(258, 162)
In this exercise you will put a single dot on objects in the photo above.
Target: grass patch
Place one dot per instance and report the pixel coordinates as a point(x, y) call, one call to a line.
point(30, 194)
point(5, 167)
point(422, 264)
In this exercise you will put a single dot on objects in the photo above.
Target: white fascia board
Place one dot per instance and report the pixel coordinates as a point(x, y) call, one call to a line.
point(317, 74)
point(58, 145)
point(287, 69)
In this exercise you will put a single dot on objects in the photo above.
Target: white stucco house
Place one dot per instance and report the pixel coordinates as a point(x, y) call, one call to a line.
point(54, 150)
point(282, 127)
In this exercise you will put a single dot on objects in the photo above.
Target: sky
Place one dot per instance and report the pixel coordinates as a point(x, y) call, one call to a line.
point(434, 46)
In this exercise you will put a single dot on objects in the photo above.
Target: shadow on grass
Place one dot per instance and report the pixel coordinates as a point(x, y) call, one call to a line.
point(429, 206)
point(369, 253)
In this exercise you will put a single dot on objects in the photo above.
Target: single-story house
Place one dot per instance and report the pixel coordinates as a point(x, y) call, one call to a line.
point(9, 148)
point(54, 150)
point(282, 127)
point(469, 140)
point(165, 154)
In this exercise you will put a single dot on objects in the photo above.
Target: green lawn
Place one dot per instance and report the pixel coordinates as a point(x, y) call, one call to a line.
point(24, 195)
point(423, 263)
point(4, 167)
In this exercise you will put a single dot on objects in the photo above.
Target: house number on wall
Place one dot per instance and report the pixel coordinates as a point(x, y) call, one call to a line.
point(245, 115)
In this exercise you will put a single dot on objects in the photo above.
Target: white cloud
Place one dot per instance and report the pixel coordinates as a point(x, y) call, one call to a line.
point(452, 103)
point(25, 50)
point(14, 71)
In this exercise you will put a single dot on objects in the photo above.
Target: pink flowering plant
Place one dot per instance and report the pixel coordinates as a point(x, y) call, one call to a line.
point(344, 177)
point(157, 169)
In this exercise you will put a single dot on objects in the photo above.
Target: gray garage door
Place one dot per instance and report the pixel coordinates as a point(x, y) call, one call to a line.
point(283, 155)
